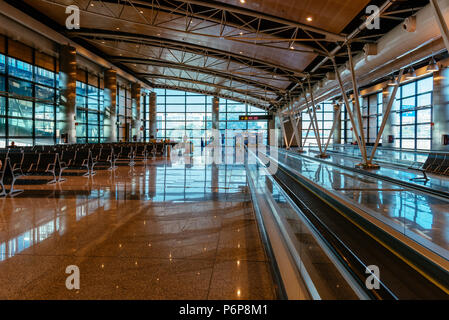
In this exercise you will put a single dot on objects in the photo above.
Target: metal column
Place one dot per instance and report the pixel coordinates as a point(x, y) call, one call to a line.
point(152, 113)
point(110, 102)
point(67, 76)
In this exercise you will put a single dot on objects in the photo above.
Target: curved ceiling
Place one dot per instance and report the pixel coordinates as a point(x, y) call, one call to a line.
point(251, 51)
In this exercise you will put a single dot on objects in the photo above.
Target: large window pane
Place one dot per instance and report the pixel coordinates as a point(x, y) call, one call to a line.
point(2, 127)
point(196, 117)
point(20, 69)
point(190, 114)
point(20, 127)
point(2, 63)
point(21, 88)
point(241, 108)
point(175, 108)
point(44, 128)
point(20, 108)
point(408, 103)
point(81, 131)
point(236, 125)
point(191, 100)
point(196, 108)
point(416, 102)
point(44, 111)
point(424, 131)
point(408, 132)
point(45, 77)
point(409, 90)
point(423, 144)
point(408, 117)
point(175, 116)
point(408, 144)
point(45, 93)
point(425, 100)
point(424, 116)
point(425, 85)
point(2, 106)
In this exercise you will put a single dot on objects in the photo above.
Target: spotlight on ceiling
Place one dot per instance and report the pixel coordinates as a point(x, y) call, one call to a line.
point(310, 19)
point(411, 74)
point(433, 66)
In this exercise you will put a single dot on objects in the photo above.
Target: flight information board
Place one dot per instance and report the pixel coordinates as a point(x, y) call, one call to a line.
point(255, 118)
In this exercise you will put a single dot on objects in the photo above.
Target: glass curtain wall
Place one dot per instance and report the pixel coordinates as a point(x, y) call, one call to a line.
point(325, 118)
point(28, 95)
point(89, 108)
point(124, 113)
point(412, 115)
point(372, 116)
point(182, 113)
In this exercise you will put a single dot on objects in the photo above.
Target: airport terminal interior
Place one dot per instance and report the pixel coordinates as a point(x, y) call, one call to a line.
point(224, 150)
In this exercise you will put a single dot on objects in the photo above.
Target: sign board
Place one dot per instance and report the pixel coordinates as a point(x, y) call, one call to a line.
point(255, 118)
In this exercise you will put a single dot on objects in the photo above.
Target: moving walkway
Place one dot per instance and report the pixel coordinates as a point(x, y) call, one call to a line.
point(348, 243)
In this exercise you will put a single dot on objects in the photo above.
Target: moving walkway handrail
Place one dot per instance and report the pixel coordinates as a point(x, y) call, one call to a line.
point(380, 151)
point(439, 274)
point(409, 185)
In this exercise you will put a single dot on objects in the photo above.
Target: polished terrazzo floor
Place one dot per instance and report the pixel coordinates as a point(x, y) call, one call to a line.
point(163, 231)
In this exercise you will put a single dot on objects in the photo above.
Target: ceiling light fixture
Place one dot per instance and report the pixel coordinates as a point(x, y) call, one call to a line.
point(433, 66)
point(309, 19)
point(411, 74)
point(242, 1)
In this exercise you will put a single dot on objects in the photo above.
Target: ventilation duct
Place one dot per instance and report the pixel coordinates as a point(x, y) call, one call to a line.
point(410, 24)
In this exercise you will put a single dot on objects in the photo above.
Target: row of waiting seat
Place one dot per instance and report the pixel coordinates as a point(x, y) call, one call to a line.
point(18, 164)
point(436, 163)
point(53, 160)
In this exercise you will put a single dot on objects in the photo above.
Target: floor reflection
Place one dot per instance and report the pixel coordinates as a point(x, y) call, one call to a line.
point(171, 229)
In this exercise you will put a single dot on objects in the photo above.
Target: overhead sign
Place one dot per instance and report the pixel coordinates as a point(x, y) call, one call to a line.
point(256, 118)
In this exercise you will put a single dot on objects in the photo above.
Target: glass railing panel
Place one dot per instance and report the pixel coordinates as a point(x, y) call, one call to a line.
point(320, 268)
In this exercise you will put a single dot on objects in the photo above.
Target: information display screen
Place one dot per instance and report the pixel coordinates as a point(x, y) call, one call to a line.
point(255, 118)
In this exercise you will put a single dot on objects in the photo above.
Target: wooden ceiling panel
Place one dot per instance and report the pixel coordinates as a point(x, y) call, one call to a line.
point(101, 17)
point(329, 15)
point(258, 58)
point(112, 48)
